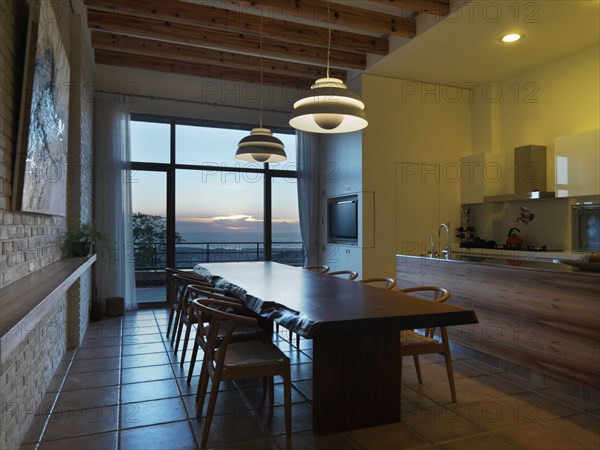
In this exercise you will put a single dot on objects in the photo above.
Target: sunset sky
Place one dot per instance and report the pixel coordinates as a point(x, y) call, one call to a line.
point(211, 202)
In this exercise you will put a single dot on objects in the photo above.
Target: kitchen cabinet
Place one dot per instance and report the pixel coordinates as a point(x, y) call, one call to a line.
point(342, 164)
point(577, 164)
point(483, 175)
point(342, 257)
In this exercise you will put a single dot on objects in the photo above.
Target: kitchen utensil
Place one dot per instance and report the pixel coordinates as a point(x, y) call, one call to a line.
point(513, 240)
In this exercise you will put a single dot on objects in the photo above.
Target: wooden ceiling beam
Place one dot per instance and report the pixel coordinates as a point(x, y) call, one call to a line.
point(199, 55)
point(437, 7)
point(221, 40)
point(221, 19)
point(198, 70)
point(315, 11)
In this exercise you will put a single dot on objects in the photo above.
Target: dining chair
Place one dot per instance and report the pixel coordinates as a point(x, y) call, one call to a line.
point(177, 282)
point(425, 342)
point(235, 361)
point(243, 332)
point(171, 295)
point(317, 268)
point(389, 283)
point(351, 274)
point(180, 283)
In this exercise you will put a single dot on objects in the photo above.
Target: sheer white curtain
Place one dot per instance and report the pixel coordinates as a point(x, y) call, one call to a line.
point(308, 193)
point(115, 272)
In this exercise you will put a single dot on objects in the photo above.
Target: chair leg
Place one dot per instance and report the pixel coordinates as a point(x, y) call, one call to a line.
point(298, 341)
point(188, 329)
point(287, 400)
point(178, 338)
point(418, 367)
point(448, 358)
point(193, 362)
point(401, 359)
point(202, 388)
point(175, 325)
point(271, 385)
point(171, 314)
point(212, 401)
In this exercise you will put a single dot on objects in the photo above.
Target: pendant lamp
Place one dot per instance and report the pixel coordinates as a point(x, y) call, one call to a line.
point(329, 107)
point(261, 146)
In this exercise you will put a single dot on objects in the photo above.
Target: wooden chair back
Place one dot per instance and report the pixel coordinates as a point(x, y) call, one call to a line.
point(389, 283)
point(433, 293)
point(350, 274)
point(317, 268)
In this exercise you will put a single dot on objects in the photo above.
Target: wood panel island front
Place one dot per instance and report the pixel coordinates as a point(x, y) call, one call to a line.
point(540, 318)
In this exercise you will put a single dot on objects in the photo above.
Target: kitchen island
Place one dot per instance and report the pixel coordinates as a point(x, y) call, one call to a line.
point(535, 316)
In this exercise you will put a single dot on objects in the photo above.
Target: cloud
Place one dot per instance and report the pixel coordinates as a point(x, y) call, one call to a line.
point(233, 217)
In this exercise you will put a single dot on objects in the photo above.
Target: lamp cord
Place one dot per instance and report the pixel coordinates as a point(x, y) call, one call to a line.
point(329, 39)
point(261, 69)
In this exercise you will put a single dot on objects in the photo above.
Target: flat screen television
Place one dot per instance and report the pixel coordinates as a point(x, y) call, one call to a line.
point(343, 220)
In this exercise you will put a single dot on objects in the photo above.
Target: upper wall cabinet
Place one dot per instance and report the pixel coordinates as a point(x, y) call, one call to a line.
point(342, 163)
point(483, 175)
point(577, 164)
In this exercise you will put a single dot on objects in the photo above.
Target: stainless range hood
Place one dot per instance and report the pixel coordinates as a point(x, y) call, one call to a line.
point(529, 176)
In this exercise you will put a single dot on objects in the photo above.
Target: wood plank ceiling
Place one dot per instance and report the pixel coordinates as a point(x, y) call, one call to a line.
point(221, 39)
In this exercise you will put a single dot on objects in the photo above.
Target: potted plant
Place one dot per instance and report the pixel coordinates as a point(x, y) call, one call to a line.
point(80, 242)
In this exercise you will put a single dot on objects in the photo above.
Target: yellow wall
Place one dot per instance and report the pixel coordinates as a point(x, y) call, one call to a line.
point(560, 98)
point(557, 99)
point(412, 124)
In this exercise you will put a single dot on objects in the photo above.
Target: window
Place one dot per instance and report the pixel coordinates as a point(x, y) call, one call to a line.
point(150, 141)
point(215, 207)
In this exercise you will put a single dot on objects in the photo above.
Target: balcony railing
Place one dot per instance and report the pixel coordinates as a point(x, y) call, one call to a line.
point(153, 256)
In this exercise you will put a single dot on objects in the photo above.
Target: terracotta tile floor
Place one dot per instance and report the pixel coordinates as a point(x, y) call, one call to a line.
point(124, 389)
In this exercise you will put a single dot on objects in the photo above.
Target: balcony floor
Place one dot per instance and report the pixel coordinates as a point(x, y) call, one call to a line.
point(150, 294)
point(123, 389)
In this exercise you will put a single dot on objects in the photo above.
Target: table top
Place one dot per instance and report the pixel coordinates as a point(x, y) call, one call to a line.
point(314, 305)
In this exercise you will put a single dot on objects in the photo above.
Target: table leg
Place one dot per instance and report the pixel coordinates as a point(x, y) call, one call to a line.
point(356, 381)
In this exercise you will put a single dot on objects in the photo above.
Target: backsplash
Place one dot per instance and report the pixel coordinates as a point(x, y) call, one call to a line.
point(551, 225)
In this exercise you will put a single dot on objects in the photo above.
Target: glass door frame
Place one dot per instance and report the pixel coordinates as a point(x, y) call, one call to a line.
point(171, 167)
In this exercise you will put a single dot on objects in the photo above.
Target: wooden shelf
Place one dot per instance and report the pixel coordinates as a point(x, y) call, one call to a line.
point(26, 301)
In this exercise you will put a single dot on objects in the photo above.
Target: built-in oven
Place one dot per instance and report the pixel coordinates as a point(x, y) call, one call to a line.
point(586, 227)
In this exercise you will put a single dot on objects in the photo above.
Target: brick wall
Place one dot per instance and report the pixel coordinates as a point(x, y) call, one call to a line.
point(32, 241)
point(80, 164)
point(26, 374)
point(29, 241)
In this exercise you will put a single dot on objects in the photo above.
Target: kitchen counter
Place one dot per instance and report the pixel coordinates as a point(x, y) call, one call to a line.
point(542, 317)
point(518, 254)
point(549, 261)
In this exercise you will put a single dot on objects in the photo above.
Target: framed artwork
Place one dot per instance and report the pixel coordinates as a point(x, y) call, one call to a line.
point(40, 176)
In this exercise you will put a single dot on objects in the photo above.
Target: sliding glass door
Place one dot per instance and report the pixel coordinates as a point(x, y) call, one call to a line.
point(149, 212)
point(193, 202)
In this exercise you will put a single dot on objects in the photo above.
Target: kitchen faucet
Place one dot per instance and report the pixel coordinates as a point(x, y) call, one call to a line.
point(447, 251)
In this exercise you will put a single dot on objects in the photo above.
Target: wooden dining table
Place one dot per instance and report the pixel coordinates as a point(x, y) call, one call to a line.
point(355, 331)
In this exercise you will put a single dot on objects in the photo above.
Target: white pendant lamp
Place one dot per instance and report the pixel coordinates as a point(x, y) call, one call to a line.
point(329, 107)
point(260, 145)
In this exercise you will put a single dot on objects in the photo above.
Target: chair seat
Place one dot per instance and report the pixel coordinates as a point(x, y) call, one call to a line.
point(252, 354)
point(409, 337)
point(242, 332)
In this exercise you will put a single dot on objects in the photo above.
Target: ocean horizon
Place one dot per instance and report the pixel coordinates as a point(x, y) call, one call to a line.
point(236, 236)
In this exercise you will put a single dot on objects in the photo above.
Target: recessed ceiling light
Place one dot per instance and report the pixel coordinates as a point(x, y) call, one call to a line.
point(512, 37)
